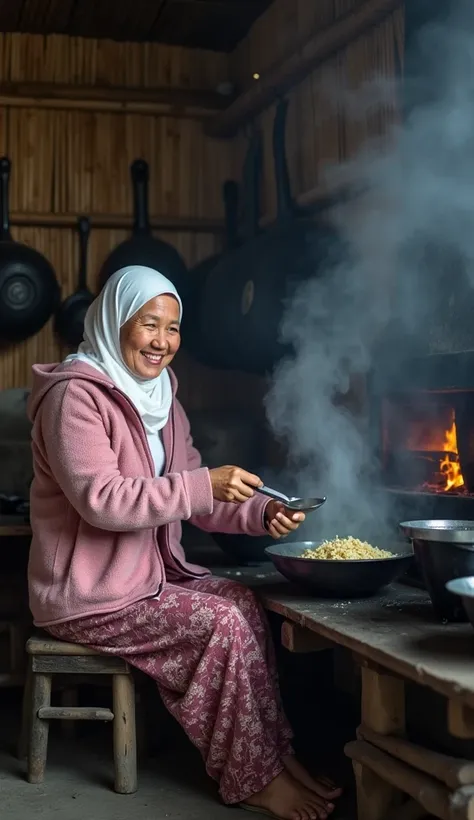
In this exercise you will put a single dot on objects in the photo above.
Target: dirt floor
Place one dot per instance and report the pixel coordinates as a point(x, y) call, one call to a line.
point(78, 783)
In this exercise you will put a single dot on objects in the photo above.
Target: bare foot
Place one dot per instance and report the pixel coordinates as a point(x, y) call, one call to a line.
point(289, 800)
point(320, 785)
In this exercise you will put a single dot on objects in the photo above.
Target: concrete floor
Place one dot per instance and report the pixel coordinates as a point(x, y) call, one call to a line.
point(78, 783)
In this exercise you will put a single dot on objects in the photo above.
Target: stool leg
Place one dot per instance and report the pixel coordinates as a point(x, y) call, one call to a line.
point(125, 741)
point(26, 714)
point(38, 745)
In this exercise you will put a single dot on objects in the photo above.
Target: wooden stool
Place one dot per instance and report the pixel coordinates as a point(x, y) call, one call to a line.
point(48, 657)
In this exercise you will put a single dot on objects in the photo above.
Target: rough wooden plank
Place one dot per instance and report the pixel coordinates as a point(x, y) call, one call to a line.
point(460, 719)
point(297, 639)
point(107, 221)
point(38, 645)
point(81, 665)
point(396, 630)
point(75, 713)
point(186, 103)
point(383, 702)
point(125, 736)
point(454, 772)
point(14, 530)
point(383, 710)
point(423, 789)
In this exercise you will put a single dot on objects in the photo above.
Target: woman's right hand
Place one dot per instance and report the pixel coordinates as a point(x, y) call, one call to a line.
point(233, 484)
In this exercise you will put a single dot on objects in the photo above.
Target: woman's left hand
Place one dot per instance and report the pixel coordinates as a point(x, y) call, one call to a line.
point(280, 520)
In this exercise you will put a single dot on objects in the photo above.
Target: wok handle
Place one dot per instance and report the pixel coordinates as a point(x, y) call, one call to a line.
point(84, 229)
point(140, 177)
point(251, 185)
point(230, 195)
point(273, 494)
point(5, 170)
point(285, 205)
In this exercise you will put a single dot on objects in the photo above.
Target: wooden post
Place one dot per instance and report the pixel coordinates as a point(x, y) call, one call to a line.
point(383, 711)
point(24, 739)
point(460, 719)
point(125, 740)
point(39, 729)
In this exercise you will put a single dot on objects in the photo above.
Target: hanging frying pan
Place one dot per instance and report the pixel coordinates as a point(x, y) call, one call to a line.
point(244, 296)
point(69, 321)
point(190, 336)
point(192, 339)
point(29, 290)
point(142, 248)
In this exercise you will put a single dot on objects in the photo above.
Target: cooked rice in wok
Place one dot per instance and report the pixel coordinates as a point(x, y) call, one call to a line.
point(345, 549)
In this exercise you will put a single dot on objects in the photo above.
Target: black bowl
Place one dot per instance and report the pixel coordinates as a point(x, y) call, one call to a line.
point(463, 588)
point(338, 579)
point(444, 551)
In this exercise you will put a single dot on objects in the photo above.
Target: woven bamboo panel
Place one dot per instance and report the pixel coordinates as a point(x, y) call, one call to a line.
point(71, 162)
point(80, 61)
point(328, 120)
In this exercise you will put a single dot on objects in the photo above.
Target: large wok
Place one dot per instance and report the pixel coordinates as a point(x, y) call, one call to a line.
point(29, 290)
point(244, 296)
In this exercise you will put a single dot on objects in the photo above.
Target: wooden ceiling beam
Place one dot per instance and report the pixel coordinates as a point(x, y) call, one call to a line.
point(174, 102)
point(279, 79)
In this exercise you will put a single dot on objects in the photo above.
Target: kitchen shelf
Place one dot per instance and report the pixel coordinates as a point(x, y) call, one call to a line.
point(116, 221)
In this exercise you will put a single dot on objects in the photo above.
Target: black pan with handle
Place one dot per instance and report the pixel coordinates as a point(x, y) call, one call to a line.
point(29, 289)
point(142, 248)
point(69, 320)
point(246, 294)
point(191, 338)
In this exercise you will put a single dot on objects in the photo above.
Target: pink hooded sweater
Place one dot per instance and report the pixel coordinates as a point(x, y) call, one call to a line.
point(106, 531)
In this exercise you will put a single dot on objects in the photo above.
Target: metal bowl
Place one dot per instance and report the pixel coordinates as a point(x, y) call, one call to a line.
point(339, 579)
point(444, 550)
point(464, 589)
point(448, 531)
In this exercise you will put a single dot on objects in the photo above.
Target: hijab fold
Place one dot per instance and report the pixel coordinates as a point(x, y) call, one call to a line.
point(124, 294)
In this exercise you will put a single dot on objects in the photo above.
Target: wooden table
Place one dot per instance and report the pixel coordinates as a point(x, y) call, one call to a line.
point(394, 637)
point(14, 525)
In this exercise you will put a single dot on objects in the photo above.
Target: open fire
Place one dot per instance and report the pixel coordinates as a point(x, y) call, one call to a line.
point(421, 447)
point(449, 466)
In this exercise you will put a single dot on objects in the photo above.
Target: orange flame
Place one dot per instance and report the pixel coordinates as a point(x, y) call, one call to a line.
point(449, 466)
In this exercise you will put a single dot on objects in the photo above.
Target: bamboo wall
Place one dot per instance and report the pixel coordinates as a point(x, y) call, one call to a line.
point(322, 129)
point(77, 162)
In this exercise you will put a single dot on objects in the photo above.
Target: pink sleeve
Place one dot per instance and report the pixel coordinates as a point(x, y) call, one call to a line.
point(239, 519)
point(81, 459)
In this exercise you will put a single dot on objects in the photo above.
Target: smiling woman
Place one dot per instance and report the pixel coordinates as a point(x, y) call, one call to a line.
point(115, 474)
point(150, 339)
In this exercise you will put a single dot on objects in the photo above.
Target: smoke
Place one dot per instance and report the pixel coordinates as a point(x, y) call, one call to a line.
point(412, 251)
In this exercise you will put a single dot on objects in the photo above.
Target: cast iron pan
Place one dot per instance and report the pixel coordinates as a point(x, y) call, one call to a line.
point(143, 248)
point(191, 338)
point(246, 293)
point(69, 323)
point(29, 290)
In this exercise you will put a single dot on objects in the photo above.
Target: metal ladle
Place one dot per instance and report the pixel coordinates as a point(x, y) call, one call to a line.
point(305, 505)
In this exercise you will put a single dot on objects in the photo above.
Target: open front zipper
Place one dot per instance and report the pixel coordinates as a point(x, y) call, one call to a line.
point(168, 465)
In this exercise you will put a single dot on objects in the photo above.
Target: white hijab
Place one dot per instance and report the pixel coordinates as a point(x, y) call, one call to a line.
point(124, 294)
